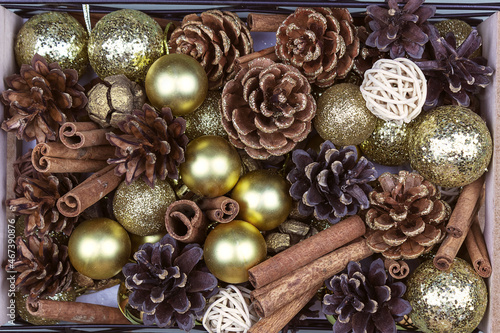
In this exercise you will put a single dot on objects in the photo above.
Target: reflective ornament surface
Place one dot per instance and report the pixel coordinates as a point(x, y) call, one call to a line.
point(206, 119)
point(137, 240)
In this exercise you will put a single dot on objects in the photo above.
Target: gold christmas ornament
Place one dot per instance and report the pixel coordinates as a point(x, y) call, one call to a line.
point(460, 29)
point(212, 166)
point(342, 116)
point(206, 119)
point(56, 36)
point(231, 249)
point(137, 240)
point(125, 42)
point(263, 198)
point(450, 146)
point(141, 209)
point(99, 248)
point(66, 296)
point(446, 301)
point(177, 81)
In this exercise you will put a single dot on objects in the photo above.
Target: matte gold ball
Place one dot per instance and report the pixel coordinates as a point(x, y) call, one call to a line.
point(263, 198)
point(206, 120)
point(212, 166)
point(177, 81)
point(99, 248)
point(231, 249)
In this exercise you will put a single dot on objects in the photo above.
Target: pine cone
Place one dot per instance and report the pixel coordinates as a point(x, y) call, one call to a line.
point(43, 266)
point(400, 30)
point(331, 184)
point(321, 42)
point(367, 55)
point(406, 217)
point(216, 39)
point(152, 145)
point(365, 300)
point(168, 284)
point(40, 99)
point(267, 108)
point(23, 167)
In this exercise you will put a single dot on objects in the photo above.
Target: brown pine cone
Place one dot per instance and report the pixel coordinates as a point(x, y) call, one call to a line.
point(267, 108)
point(321, 42)
point(40, 99)
point(23, 167)
point(406, 217)
point(216, 39)
point(152, 145)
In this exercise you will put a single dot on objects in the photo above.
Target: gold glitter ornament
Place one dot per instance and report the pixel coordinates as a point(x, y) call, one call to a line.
point(56, 36)
point(446, 301)
point(231, 249)
point(342, 116)
point(450, 146)
point(125, 42)
point(141, 209)
point(388, 143)
point(206, 119)
point(460, 29)
point(99, 248)
point(20, 298)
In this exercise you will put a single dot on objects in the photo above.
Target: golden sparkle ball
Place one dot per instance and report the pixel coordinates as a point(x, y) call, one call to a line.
point(231, 249)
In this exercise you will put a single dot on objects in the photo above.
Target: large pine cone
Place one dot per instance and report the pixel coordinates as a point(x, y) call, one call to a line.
point(406, 217)
point(168, 284)
point(216, 39)
point(267, 108)
point(152, 145)
point(321, 42)
point(40, 99)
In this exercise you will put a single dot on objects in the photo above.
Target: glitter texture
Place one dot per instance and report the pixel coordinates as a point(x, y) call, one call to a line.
point(450, 146)
point(206, 119)
point(56, 36)
point(446, 301)
point(125, 42)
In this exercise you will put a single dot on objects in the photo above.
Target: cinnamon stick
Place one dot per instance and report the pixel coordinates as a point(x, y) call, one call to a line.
point(221, 209)
point(306, 251)
point(83, 134)
point(185, 222)
point(265, 22)
point(77, 312)
point(476, 247)
point(89, 192)
point(264, 53)
point(460, 219)
point(397, 269)
point(273, 296)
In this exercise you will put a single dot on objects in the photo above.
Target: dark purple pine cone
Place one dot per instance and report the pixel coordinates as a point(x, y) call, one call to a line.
point(331, 184)
point(365, 299)
point(168, 284)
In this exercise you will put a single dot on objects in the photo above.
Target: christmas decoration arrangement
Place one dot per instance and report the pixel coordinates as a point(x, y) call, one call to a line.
point(338, 173)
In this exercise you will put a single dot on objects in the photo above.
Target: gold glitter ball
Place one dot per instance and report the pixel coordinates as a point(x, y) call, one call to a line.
point(446, 301)
point(56, 36)
point(342, 116)
point(460, 29)
point(141, 209)
point(206, 119)
point(388, 143)
point(125, 42)
point(450, 146)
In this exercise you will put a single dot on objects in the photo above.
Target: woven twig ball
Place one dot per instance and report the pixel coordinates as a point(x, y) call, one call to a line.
point(394, 90)
point(230, 311)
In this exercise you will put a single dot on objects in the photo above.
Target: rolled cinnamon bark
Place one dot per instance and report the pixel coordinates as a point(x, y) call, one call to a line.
point(83, 134)
point(89, 192)
point(221, 209)
point(265, 53)
point(397, 269)
point(306, 251)
point(185, 222)
point(77, 312)
point(265, 22)
point(273, 296)
point(478, 252)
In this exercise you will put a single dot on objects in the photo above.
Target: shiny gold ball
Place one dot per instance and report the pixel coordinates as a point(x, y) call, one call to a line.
point(231, 249)
point(99, 248)
point(177, 81)
point(450, 146)
point(141, 209)
point(446, 301)
point(342, 116)
point(263, 198)
point(206, 119)
point(137, 240)
point(212, 166)
point(56, 36)
point(125, 42)
point(64, 296)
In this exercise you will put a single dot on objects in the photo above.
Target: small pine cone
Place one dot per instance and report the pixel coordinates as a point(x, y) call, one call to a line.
point(40, 99)
point(216, 39)
point(267, 108)
point(152, 145)
point(365, 299)
point(367, 55)
point(43, 267)
point(321, 42)
point(407, 217)
point(331, 184)
point(23, 167)
point(168, 284)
